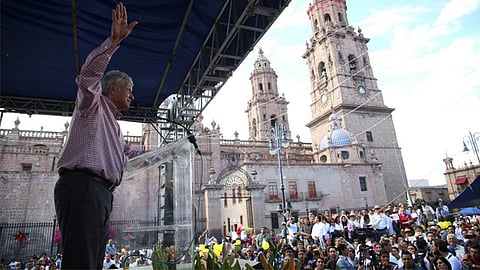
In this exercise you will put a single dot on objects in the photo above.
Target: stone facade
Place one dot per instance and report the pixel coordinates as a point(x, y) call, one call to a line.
point(458, 179)
point(342, 81)
point(28, 175)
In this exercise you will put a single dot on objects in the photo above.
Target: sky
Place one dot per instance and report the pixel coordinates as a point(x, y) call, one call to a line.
point(425, 56)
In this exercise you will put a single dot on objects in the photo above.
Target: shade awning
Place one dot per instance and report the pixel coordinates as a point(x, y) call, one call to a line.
point(470, 197)
point(461, 181)
point(186, 48)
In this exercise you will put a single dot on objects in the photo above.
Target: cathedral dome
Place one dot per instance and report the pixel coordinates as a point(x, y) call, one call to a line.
point(338, 136)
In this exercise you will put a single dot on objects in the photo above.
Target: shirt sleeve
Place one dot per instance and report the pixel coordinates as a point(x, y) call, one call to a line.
point(91, 73)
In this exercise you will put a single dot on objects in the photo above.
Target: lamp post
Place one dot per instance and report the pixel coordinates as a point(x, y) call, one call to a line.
point(472, 140)
point(278, 139)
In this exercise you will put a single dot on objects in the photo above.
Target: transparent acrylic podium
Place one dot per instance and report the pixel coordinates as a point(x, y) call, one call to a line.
point(173, 164)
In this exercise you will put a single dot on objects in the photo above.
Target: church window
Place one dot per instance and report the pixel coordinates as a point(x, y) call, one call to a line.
point(340, 17)
point(315, 26)
point(292, 189)
point(322, 70)
point(26, 167)
point(312, 189)
point(234, 198)
point(272, 191)
point(260, 86)
point(273, 119)
point(363, 183)
point(327, 18)
point(369, 136)
point(345, 155)
point(225, 199)
point(313, 74)
point(269, 85)
point(352, 62)
point(323, 158)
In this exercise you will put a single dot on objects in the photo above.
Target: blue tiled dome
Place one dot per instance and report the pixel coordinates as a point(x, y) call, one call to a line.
point(339, 137)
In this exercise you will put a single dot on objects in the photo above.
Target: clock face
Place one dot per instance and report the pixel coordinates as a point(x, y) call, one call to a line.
point(323, 98)
point(361, 90)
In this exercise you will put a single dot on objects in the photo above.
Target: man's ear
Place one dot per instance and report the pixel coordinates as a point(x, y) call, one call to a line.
point(111, 88)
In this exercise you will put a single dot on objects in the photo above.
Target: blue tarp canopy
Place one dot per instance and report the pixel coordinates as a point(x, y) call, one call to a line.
point(183, 47)
point(470, 197)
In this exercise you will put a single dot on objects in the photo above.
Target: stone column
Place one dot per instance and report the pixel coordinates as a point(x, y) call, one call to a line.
point(213, 211)
point(258, 204)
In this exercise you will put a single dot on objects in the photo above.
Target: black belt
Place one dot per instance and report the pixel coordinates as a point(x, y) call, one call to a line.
point(381, 229)
point(109, 185)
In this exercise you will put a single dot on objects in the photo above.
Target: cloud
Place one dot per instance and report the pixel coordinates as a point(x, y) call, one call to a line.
point(380, 22)
point(456, 9)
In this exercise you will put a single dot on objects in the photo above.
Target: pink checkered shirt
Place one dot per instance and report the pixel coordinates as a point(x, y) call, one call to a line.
point(95, 142)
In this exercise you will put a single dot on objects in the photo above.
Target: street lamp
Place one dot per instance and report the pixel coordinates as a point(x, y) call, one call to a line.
point(278, 139)
point(472, 139)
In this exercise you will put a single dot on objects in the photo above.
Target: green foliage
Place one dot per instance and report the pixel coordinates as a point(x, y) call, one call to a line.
point(159, 258)
point(211, 261)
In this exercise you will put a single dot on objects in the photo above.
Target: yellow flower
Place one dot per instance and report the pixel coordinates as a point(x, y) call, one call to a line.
point(265, 245)
point(217, 248)
point(203, 250)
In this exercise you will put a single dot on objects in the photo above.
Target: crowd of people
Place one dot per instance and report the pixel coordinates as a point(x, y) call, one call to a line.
point(388, 238)
point(392, 237)
point(114, 259)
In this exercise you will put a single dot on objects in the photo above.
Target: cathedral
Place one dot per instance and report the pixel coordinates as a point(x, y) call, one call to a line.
point(352, 162)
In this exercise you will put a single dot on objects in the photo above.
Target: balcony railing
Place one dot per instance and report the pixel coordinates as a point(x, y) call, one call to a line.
point(294, 197)
point(270, 198)
point(314, 196)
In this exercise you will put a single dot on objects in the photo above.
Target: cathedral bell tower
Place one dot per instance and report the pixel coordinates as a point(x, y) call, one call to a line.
point(266, 106)
point(342, 82)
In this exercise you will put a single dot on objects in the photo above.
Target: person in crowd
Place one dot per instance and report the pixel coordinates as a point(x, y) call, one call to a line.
point(440, 248)
point(332, 257)
point(454, 247)
point(441, 210)
point(385, 263)
point(95, 154)
point(408, 262)
point(284, 233)
point(344, 262)
point(379, 223)
point(319, 264)
point(110, 248)
point(414, 214)
point(292, 229)
point(263, 235)
point(472, 259)
point(395, 252)
point(440, 263)
point(427, 211)
point(404, 219)
point(305, 233)
point(107, 262)
point(337, 228)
